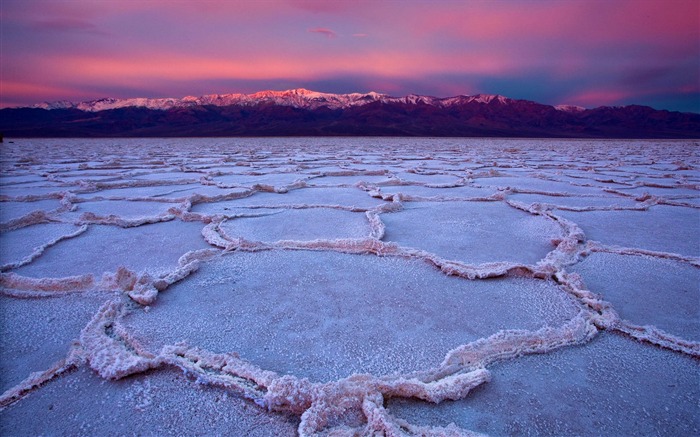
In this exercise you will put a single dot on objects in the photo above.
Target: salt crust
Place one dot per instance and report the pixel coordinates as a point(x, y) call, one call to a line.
point(112, 352)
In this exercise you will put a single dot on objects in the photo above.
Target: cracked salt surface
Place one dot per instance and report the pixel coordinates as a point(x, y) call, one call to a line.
point(299, 224)
point(154, 192)
point(155, 248)
point(156, 403)
point(319, 315)
point(419, 192)
point(660, 228)
point(122, 208)
point(612, 386)
point(286, 286)
point(609, 202)
point(12, 211)
point(647, 290)
point(22, 245)
point(36, 333)
point(472, 232)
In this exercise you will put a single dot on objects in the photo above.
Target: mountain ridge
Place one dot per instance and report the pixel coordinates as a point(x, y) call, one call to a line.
point(301, 112)
point(298, 97)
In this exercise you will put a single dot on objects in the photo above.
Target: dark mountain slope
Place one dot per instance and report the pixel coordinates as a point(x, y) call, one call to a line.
point(496, 118)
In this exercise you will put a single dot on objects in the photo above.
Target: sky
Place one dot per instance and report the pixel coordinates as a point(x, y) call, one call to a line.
point(579, 52)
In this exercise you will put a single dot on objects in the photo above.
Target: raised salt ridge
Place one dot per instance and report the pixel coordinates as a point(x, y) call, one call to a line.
point(327, 286)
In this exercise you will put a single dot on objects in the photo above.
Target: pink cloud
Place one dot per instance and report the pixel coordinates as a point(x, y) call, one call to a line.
point(328, 7)
point(598, 97)
point(323, 31)
point(127, 67)
point(385, 85)
point(621, 20)
point(626, 94)
point(17, 93)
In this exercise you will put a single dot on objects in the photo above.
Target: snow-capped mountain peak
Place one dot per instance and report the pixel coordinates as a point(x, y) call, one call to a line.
point(298, 98)
point(569, 108)
point(488, 98)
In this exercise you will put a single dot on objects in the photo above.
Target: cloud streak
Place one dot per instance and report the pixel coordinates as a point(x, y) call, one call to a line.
point(68, 25)
point(323, 31)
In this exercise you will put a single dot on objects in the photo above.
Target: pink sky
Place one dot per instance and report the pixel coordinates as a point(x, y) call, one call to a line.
point(580, 52)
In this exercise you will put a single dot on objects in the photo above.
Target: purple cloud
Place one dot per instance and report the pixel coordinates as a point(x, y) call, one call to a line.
point(68, 25)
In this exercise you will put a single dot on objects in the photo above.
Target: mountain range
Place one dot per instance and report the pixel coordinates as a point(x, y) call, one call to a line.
point(301, 112)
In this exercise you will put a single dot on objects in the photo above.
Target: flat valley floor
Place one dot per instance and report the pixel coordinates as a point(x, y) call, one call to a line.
point(359, 286)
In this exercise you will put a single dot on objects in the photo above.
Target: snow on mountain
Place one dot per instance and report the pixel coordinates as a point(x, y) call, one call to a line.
point(477, 98)
point(60, 104)
point(299, 98)
point(488, 98)
point(569, 108)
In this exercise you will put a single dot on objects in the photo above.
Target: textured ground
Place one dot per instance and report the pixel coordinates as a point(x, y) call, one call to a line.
point(350, 286)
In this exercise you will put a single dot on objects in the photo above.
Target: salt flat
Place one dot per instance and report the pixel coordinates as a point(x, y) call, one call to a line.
point(331, 286)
